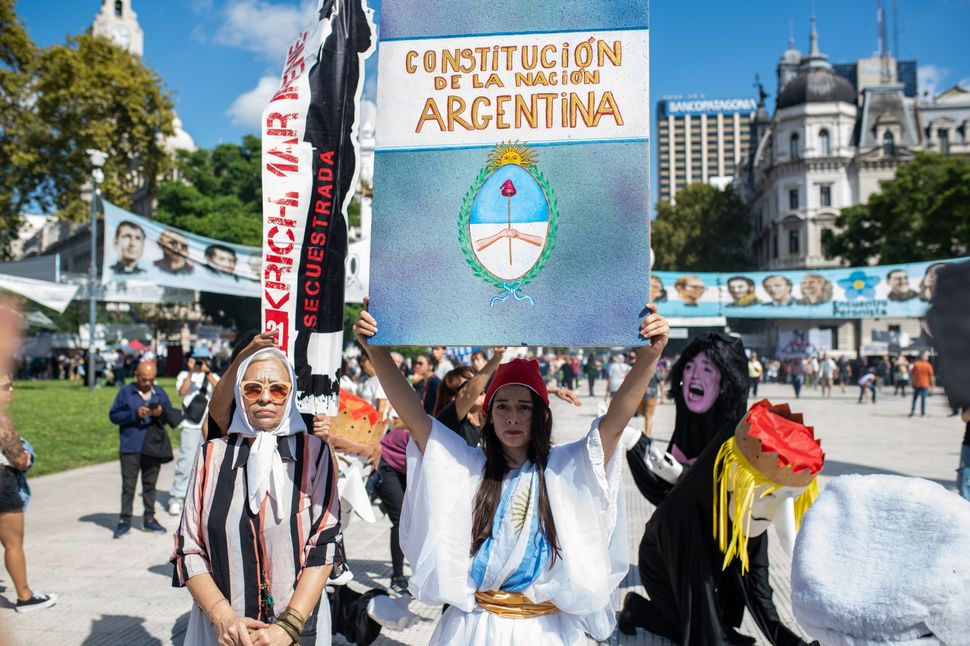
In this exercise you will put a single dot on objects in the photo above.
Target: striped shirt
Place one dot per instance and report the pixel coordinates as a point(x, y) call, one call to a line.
point(250, 554)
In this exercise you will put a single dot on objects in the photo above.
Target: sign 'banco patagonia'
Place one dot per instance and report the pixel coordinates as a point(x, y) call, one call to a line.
point(511, 173)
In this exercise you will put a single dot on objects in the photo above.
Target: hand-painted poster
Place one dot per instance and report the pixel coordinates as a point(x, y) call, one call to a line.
point(310, 170)
point(511, 173)
point(142, 252)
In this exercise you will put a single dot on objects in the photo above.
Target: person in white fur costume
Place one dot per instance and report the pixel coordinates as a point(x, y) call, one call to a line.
point(884, 560)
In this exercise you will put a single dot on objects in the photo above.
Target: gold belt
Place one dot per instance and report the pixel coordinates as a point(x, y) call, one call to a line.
point(513, 605)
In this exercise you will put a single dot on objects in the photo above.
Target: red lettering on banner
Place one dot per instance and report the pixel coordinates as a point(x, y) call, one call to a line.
point(286, 92)
point(282, 130)
point(271, 241)
point(281, 170)
point(276, 292)
point(277, 320)
point(318, 229)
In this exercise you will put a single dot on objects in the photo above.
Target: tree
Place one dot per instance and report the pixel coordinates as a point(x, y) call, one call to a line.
point(16, 53)
point(706, 230)
point(88, 93)
point(921, 214)
point(217, 193)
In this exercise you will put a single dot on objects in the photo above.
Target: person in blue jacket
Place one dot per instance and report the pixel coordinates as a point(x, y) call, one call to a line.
point(137, 407)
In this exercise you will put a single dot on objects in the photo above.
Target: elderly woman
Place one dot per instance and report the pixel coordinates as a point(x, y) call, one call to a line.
point(256, 541)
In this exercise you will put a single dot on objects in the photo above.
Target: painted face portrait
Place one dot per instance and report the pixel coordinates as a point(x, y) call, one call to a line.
point(129, 243)
point(815, 289)
point(778, 288)
point(657, 292)
point(739, 288)
point(175, 253)
point(928, 284)
point(701, 383)
point(221, 259)
point(690, 289)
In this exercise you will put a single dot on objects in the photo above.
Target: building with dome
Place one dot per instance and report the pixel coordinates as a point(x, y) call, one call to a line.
point(827, 147)
point(836, 132)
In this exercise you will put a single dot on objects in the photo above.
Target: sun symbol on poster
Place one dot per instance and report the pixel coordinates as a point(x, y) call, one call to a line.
point(508, 221)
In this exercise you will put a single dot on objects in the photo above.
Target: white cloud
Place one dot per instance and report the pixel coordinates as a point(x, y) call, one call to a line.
point(929, 79)
point(964, 83)
point(263, 27)
point(247, 110)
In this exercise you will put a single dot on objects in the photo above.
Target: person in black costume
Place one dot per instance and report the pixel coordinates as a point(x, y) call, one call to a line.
point(683, 566)
point(696, 423)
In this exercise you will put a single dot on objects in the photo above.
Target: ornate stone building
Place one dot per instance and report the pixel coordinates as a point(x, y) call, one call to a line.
point(829, 143)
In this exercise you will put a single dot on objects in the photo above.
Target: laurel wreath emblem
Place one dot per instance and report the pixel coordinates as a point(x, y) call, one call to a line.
point(464, 216)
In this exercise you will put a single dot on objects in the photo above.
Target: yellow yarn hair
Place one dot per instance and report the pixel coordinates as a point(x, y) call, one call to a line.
point(744, 480)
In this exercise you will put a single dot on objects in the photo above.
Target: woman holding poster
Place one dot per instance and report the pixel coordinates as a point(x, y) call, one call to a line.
point(524, 540)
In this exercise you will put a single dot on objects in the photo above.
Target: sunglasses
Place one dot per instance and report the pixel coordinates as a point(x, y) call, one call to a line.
point(253, 390)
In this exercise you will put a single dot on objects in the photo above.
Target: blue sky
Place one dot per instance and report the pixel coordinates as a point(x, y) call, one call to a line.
point(221, 57)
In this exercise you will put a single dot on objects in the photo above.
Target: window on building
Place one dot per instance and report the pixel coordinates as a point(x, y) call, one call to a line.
point(793, 198)
point(943, 135)
point(823, 143)
point(793, 242)
point(794, 146)
point(774, 246)
point(118, 8)
point(888, 144)
point(825, 195)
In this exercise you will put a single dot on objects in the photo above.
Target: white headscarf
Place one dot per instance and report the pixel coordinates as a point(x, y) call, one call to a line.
point(264, 468)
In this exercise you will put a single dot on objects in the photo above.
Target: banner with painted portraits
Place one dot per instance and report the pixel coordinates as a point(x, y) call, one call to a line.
point(141, 251)
point(901, 290)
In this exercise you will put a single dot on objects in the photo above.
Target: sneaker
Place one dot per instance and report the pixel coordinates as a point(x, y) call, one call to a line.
point(399, 584)
point(38, 601)
point(152, 526)
point(123, 528)
point(175, 508)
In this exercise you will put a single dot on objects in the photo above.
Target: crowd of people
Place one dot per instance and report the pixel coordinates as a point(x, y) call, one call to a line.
point(516, 538)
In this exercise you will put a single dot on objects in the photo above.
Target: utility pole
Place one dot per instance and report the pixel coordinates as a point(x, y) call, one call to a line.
point(97, 176)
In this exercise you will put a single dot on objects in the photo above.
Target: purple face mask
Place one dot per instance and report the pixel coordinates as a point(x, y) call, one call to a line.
point(702, 384)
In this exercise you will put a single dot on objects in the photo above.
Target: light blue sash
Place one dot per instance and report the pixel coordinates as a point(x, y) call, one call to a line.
point(512, 558)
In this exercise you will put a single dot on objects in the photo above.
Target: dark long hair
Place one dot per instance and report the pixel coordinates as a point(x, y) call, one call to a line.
point(692, 432)
point(496, 466)
point(450, 385)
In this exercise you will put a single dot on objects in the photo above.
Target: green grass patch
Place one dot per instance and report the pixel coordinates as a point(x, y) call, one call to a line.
point(68, 425)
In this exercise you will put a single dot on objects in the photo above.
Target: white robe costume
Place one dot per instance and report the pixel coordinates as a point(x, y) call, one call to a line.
point(586, 499)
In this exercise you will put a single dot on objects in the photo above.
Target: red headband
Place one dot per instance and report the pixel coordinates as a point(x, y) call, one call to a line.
point(518, 372)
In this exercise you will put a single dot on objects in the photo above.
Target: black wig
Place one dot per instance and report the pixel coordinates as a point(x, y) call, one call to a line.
point(693, 431)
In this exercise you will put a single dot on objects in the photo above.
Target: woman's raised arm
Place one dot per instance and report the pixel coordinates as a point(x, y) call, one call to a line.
point(399, 392)
point(634, 386)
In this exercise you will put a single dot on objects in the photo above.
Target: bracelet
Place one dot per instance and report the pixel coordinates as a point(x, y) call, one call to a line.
point(213, 607)
point(293, 619)
point(295, 614)
point(289, 629)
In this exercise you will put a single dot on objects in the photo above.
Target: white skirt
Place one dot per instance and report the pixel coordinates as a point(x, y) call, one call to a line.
point(482, 628)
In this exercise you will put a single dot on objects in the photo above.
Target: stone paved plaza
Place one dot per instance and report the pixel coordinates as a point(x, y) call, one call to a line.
point(119, 592)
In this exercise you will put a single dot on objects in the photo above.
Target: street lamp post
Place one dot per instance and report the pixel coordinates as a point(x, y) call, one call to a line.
point(97, 176)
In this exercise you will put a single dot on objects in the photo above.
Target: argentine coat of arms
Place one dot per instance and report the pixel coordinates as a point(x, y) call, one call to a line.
point(508, 221)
